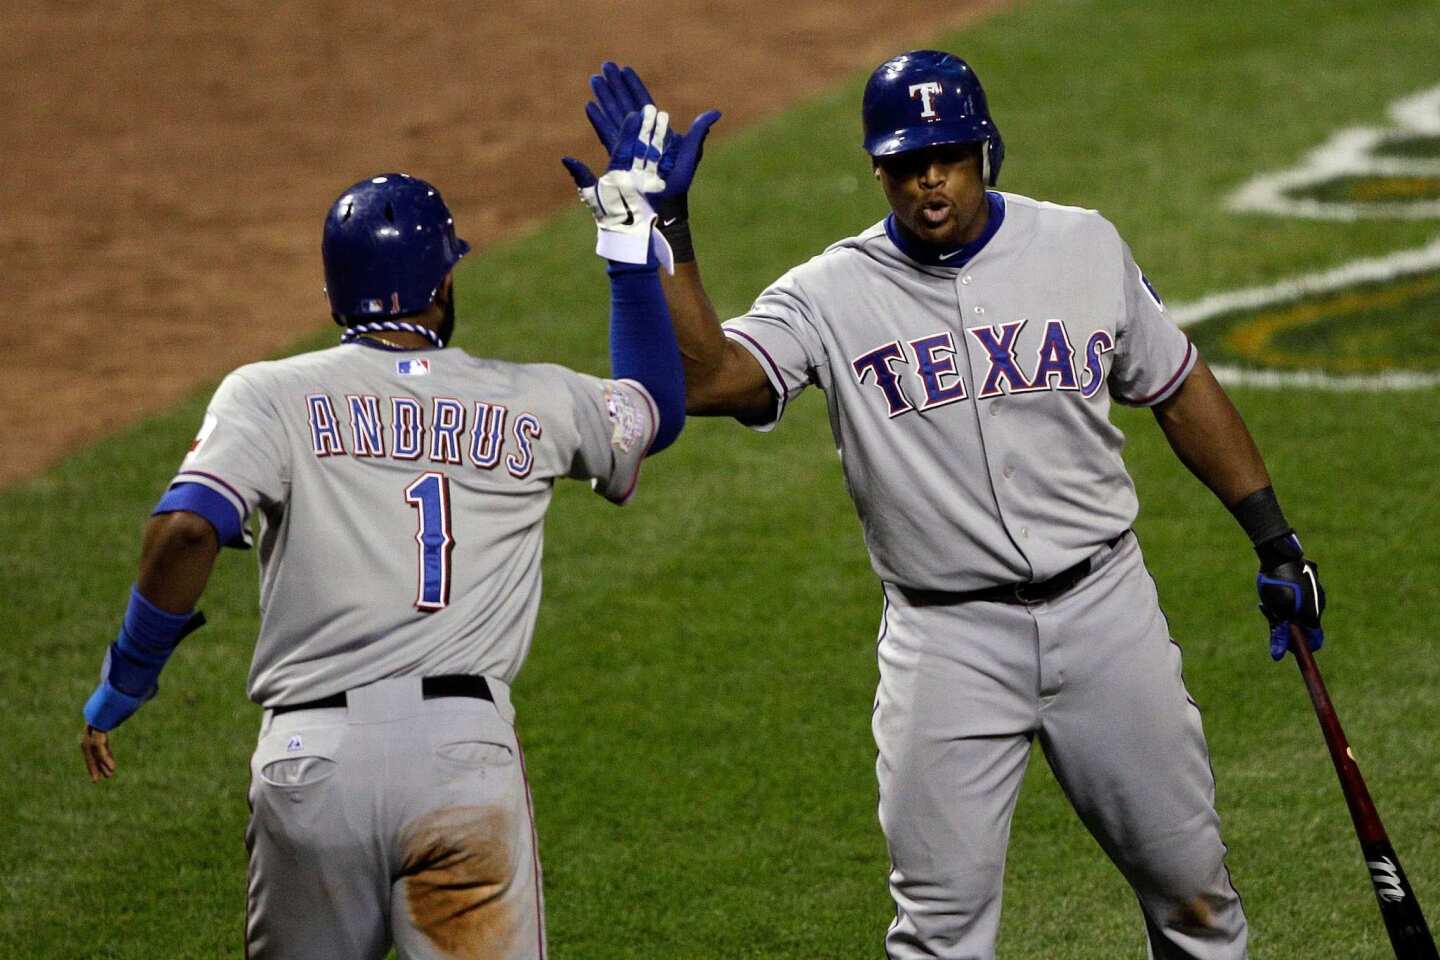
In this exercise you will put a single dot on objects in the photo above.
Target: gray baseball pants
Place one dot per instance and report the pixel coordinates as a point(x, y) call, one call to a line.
point(1093, 674)
point(393, 820)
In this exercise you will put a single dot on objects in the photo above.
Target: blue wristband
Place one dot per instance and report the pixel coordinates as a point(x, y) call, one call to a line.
point(131, 671)
point(107, 707)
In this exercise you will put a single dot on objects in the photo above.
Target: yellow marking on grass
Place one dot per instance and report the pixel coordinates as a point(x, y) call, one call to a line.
point(1379, 189)
point(1254, 338)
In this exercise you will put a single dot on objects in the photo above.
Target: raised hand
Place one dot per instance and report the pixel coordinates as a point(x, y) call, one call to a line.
point(617, 199)
point(619, 92)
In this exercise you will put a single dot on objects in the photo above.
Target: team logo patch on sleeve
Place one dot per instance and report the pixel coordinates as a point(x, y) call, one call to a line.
point(207, 427)
point(416, 367)
point(627, 425)
point(1150, 288)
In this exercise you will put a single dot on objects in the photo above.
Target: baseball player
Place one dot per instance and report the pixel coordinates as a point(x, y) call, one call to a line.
point(969, 347)
point(401, 487)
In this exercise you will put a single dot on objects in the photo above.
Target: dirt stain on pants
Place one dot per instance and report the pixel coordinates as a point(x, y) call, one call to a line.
point(458, 868)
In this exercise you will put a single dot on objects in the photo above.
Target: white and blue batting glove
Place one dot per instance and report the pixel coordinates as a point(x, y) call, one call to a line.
point(623, 216)
point(619, 92)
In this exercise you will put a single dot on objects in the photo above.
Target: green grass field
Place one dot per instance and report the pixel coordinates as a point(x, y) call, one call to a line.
point(696, 709)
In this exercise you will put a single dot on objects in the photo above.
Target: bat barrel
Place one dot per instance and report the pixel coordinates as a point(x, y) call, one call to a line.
point(1404, 922)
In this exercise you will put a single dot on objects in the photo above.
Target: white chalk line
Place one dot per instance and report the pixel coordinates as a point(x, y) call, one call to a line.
point(1348, 152)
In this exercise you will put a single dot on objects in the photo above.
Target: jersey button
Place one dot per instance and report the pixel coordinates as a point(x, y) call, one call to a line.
point(967, 279)
point(995, 409)
point(1009, 472)
point(1025, 533)
point(979, 310)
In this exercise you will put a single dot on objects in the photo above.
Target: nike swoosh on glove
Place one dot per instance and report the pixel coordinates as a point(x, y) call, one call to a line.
point(1290, 592)
point(617, 198)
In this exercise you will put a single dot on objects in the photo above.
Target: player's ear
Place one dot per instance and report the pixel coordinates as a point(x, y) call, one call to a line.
point(875, 167)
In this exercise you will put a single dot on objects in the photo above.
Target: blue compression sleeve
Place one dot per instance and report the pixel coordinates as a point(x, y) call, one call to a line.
point(130, 673)
point(643, 347)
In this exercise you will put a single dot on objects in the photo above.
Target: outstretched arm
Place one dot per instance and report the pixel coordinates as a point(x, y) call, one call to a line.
point(721, 377)
point(642, 341)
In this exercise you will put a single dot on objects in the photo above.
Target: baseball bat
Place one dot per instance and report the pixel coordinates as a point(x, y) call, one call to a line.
point(1409, 934)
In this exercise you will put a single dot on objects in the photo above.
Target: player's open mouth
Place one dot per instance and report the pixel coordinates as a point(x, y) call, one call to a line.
point(934, 213)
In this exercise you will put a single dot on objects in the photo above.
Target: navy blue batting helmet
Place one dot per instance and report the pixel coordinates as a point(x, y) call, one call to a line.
point(389, 242)
point(924, 98)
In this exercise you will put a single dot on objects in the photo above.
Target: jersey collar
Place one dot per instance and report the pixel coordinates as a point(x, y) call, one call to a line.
point(363, 341)
point(935, 256)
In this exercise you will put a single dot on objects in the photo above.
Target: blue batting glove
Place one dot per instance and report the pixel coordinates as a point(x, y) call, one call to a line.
point(622, 153)
point(1280, 638)
point(1290, 592)
point(619, 92)
point(581, 174)
point(682, 155)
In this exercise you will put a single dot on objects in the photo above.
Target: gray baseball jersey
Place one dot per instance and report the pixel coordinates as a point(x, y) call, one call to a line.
point(401, 498)
point(971, 411)
point(970, 406)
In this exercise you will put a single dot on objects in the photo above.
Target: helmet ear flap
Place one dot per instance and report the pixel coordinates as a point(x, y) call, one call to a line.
point(994, 155)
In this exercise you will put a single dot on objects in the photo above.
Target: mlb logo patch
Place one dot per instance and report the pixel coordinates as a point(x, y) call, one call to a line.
point(419, 367)
point(294, 744)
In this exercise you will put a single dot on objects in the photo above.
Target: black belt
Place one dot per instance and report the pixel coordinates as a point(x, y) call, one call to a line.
point(431, 688)
point(1036, 591)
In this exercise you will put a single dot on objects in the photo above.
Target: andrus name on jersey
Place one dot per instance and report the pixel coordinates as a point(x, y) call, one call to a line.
point(440, 433)
point(931, 359)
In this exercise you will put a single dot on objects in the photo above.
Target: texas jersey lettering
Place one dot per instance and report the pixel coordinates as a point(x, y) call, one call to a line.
point(932, 360)
point(925, 368)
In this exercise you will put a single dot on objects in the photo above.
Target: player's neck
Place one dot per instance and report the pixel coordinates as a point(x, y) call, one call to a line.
point(393, 335)
point(992, 214)
point(418, 331)
point(402, 340)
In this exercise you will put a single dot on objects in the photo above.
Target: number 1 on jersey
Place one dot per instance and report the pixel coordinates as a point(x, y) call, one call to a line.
point(430, 496)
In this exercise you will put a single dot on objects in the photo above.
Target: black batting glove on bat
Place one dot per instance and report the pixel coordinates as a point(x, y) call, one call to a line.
point(1290, 592)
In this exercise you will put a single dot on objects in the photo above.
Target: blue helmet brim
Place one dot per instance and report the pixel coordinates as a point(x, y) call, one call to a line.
point(968, 130)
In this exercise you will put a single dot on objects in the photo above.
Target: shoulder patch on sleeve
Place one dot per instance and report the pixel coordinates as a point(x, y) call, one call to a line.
point(207, 427)
point(627, 423)
point(1149, 287)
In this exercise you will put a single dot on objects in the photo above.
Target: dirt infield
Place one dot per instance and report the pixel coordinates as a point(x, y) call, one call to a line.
point(169, 163)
